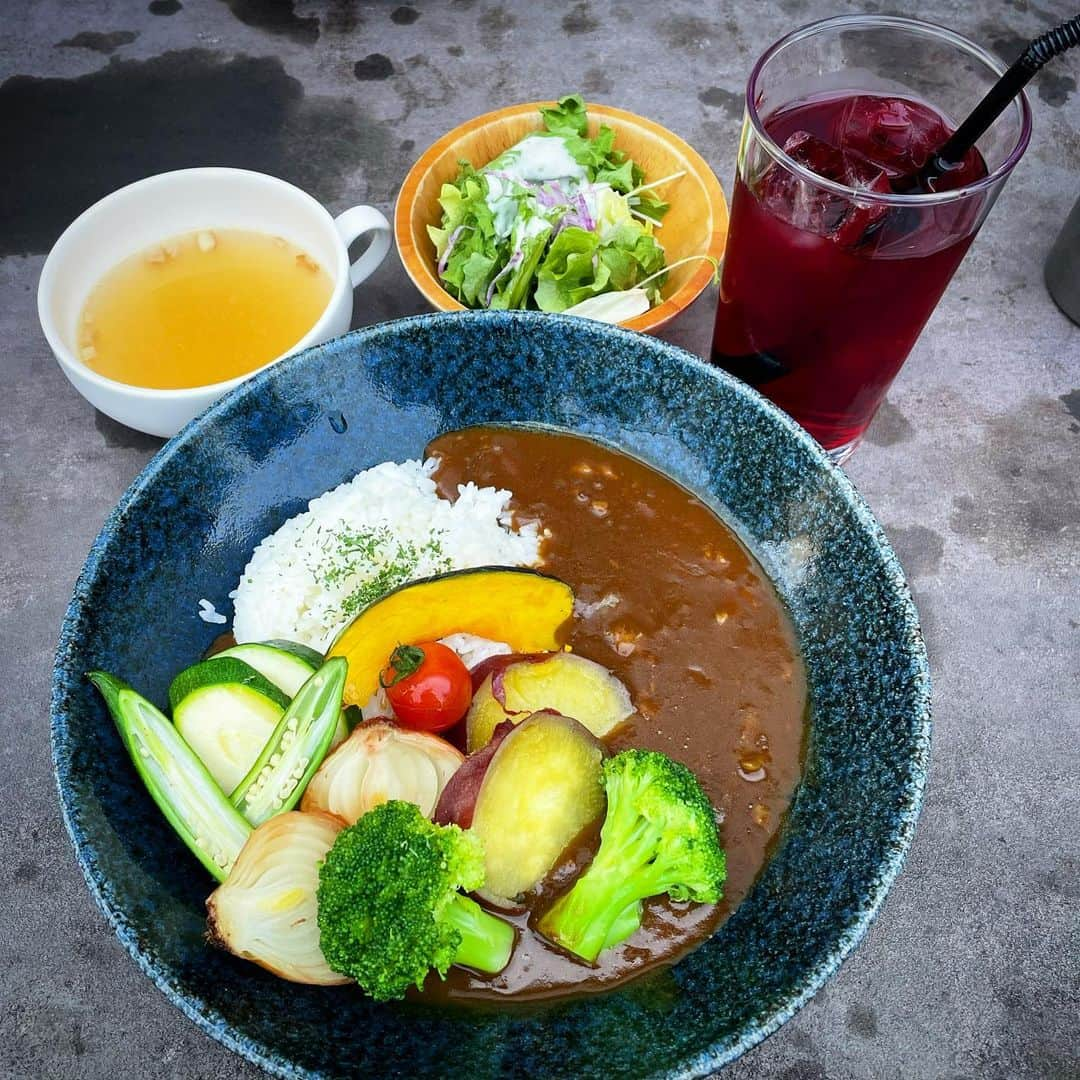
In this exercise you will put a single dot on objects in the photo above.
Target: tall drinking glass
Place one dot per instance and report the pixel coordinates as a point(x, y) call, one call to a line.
point(829, 276)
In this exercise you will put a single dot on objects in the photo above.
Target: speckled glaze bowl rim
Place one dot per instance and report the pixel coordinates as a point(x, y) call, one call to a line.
point(910, 789)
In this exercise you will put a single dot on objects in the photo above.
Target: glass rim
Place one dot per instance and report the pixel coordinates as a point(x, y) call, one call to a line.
point(914, 26)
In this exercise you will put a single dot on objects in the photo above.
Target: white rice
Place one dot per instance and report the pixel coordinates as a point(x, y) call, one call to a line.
point(210, 614)
point(386, 526)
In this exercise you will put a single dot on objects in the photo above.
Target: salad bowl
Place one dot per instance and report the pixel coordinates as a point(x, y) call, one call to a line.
point(696, 223)
point(185, 528)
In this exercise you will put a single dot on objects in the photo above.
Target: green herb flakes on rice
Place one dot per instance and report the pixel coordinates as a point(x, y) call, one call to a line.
point(385, 527)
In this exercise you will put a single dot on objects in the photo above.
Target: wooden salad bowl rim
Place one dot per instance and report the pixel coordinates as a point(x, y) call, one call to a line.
point(411, 237)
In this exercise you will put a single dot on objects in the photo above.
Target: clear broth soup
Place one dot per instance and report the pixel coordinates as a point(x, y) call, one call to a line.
point(201, 308)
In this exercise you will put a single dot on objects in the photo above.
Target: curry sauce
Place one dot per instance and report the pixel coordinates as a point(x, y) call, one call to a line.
point(674, 605)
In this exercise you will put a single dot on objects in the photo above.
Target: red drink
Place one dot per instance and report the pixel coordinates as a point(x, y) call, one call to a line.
point(826, 286)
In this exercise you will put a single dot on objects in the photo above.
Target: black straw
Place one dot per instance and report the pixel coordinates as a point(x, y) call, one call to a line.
point(953, 151)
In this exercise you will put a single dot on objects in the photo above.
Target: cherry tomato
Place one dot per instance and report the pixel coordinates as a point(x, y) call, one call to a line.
point(428, 686)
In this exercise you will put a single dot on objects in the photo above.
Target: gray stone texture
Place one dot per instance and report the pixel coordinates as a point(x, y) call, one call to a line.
point(973, 465)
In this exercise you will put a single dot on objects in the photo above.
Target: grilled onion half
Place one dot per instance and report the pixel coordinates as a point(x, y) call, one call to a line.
point(266, 909)
point(380, 761)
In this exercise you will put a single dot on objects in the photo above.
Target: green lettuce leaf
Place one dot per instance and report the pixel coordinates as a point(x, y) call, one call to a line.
point(578, 266)
point(568, 117)
point(622, 267)
point(649, 256)
point(513, 291)
point(597, 155)
point(476, 273)
point(638, 242)
point(477, 250)
point(650, 206)
point(568, 273)
point(509, 254)
point(569, 120)
point(622, 177)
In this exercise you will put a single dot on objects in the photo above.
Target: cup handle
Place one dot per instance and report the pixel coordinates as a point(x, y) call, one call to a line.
point(351, 225)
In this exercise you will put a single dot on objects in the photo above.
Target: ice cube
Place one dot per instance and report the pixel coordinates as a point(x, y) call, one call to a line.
point(815, 209)
point(895, 134)
point(804, 204)
point(817, 155)
point(862, 218)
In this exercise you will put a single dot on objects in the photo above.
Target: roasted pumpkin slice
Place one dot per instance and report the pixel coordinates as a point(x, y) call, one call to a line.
point(524, 608)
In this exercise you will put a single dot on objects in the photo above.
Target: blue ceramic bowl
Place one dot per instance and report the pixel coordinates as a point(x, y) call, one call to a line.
point(186, 527)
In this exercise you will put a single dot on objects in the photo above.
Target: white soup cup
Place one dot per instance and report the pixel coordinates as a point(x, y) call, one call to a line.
point(174, 203)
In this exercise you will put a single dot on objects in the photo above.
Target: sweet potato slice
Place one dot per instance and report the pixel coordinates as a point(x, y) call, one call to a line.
point(563, 682)
point(542, 787)
point(458, 799)
point(484, 716)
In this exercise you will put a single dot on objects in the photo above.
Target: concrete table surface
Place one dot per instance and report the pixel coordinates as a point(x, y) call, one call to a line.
point(973, 466)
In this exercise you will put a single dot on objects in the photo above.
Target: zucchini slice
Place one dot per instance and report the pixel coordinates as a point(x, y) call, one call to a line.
point(226, 711)
point(220, 670)
point(227, 725)
point(297, 747)
point(176, 779)
point(303, 652)
point(288, 665)
point(287, 671)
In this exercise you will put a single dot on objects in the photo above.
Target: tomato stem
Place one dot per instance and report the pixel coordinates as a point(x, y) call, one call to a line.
point(404, 661)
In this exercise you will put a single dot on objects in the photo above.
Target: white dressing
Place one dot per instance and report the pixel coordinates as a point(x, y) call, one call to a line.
point(502, 203)
point(536, 159)
point(540, 157)
point(529, 229)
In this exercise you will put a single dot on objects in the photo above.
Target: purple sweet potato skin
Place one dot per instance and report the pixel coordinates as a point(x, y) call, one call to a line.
point(458, 799)
point(496, 665)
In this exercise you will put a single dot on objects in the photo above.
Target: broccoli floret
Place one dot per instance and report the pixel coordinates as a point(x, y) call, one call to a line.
point(659, 836)
point(389, 906)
